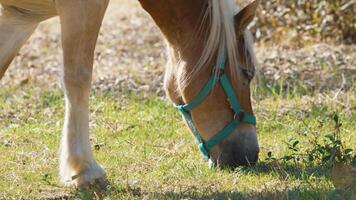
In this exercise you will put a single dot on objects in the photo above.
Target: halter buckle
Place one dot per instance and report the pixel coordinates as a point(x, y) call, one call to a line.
point(239, 116)
point(220, 72)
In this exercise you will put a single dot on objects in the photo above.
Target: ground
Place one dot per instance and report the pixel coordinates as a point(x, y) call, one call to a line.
point(141, 140)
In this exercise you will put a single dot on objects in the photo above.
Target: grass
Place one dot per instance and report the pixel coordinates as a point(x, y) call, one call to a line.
point(148, 153)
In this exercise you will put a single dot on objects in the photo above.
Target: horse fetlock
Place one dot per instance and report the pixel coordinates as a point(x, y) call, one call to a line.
point(92, 175)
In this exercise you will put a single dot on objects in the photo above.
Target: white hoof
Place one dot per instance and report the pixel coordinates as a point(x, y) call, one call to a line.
point(92, 174)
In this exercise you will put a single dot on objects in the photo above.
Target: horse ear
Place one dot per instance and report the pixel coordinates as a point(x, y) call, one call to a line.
point(245, 16)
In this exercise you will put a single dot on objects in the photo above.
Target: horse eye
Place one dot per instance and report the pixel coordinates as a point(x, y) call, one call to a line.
point(247, 74)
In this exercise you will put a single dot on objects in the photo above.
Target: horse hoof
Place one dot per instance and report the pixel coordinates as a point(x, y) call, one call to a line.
point(99, 184)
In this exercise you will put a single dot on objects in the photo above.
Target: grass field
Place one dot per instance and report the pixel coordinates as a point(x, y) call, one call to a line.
point(141, 140)
point(148, 153)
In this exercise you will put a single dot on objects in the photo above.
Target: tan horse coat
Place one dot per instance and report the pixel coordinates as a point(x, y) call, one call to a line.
point(80, 24)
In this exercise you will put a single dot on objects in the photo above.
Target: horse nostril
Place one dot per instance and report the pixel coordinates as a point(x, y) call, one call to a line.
point(235, 154)
point(247, 158)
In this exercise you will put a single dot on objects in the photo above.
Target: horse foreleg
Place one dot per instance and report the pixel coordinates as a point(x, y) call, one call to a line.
point(15, 29)
point(80, 23)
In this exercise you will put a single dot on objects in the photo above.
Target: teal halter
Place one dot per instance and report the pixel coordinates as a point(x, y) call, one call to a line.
point(239, 115)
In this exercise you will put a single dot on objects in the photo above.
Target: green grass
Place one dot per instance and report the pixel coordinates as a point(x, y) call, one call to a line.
point(147, 151)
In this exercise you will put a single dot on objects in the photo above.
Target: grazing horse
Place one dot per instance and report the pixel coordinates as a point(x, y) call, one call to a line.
point(211, 63)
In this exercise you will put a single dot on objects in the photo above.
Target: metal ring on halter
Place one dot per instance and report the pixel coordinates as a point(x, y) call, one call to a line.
point(239, 116)
point(220, 72)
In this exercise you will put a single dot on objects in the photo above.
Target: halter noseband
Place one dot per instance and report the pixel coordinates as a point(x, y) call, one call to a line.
point(239, 114)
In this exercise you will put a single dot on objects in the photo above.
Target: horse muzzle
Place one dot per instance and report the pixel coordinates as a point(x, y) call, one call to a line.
point(242, 150)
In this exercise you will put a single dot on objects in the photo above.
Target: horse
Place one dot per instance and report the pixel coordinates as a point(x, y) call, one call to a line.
point(211, 63)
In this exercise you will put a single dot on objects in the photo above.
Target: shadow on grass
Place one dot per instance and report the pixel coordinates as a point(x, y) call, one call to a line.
point(286, 194)
point(196, 193)
point(136, 193)
point(284, 171)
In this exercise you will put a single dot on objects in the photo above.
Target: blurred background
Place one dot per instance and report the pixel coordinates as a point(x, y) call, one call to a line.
point(303, 46)
point(299, 23)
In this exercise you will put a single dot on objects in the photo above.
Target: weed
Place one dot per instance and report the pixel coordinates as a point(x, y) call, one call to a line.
point(327, 150)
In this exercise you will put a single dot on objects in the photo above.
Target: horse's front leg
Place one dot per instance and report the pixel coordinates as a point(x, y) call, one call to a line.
point(80, 23)
point(15, 29)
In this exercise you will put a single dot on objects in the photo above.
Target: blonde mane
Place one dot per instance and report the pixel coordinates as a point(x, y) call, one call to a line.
point(221, 38)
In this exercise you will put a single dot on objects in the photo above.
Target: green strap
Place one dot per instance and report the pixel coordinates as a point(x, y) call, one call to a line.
point(190, 122)
point(208, 87)
point(201, 143)
point(249, 119)
point(234, 101)
point(185, 109)
point(230, 93)
point(220, 136)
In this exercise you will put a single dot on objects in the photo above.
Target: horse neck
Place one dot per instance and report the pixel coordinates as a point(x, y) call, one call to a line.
point(180, 21)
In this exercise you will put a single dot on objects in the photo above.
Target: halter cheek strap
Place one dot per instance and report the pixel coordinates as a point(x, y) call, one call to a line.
point(239, 115)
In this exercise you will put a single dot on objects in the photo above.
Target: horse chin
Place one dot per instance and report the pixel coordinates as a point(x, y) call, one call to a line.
point(231, 165)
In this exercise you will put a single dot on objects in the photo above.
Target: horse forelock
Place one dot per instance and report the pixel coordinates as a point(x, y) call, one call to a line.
point(221, 38)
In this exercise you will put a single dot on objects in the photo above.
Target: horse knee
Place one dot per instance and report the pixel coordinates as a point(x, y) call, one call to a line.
point(77, 86)
point(79, 78)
